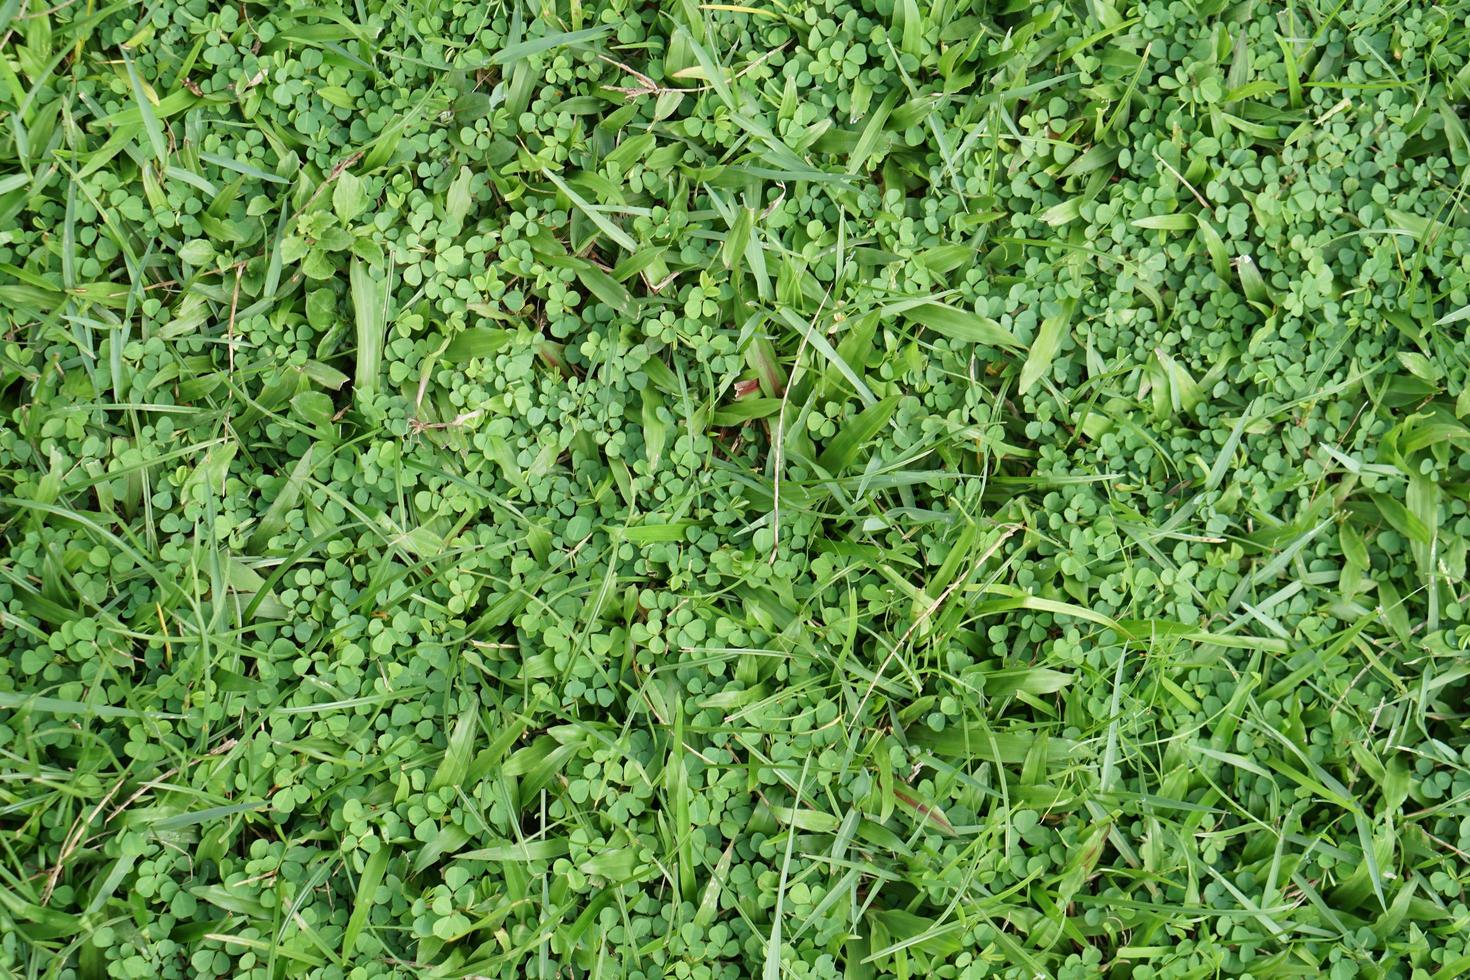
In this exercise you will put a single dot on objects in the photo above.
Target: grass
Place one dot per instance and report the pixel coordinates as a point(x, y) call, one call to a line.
point(722, 490)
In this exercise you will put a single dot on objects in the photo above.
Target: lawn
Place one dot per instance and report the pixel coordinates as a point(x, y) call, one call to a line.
point(775, 489)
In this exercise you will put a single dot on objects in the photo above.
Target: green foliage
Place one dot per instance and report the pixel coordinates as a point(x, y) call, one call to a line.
point(820, 488)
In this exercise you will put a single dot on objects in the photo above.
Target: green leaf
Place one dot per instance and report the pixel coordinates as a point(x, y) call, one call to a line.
point(146, 113)
point(348, 197)
point(477, 342)
point(593, 214)
point(844, 448)
point(961, 325)
point(1026, 680)
point(198, 252)
point(314, 408)
point(520, 851)
point(370, 307)
point(526, 49)
point(456, 762)
point(1168, 222)
point(1044, 348)
point(978, 742)
point(458, 201)
point(366, 897)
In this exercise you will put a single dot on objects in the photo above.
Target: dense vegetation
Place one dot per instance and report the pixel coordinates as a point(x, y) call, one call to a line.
point(814, 488)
